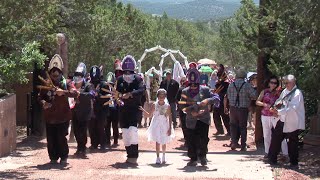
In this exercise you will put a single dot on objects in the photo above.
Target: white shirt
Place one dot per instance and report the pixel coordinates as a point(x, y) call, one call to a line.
point(293, 113)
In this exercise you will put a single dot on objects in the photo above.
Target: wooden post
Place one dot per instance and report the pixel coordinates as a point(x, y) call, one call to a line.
point(62, 50)
point(313, 136)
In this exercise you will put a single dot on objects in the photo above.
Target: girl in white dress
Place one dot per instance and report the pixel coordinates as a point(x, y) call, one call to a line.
point(161, 130)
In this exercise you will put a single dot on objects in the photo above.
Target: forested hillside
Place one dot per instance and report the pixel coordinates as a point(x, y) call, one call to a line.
point(190, 10)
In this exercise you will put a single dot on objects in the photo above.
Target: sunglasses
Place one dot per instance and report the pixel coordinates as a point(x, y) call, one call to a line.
point(272, 82)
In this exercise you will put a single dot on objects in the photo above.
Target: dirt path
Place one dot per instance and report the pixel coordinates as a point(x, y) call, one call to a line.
point(30, 161)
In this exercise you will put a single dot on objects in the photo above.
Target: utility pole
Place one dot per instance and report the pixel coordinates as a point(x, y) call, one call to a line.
point(265, 40)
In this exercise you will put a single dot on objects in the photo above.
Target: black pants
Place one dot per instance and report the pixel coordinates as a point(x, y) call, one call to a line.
point(238, 122)
point(56, 140)
point(113, 119)
point(198, 141)
point(276, 140)
point(218, 113)
point(80, 132)
point(96, 131)
point(182, 117)
point(139, 116)
point(132, 151)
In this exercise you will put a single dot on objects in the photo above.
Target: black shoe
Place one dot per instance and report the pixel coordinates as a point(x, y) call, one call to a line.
point(233, 146)
point(64, 161)
point(203, 161)
point(294, 166)
point(273, 163)
point(218, 133)
point(103, 147)
point(54, 161)
point(93, 147)
point(115, 142)
point(192, 163)
point(244, 149)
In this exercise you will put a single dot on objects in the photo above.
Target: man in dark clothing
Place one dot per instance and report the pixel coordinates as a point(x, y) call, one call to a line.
point(182, 115)
point(82, 112)
point(57, 114)
point(218, 112)
point(130, 87)
point(142, 101)
point(172, 88)
point(240, 94)
point(113, 116)
point(197, 98)
point(98, 119)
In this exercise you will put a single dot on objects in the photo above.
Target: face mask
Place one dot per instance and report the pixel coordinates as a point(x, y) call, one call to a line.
point(56, 77)
point(128, 78)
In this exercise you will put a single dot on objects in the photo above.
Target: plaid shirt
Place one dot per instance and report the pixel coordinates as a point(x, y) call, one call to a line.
point(246, 94)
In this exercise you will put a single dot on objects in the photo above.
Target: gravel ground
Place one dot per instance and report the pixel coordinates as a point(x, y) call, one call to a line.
point(30, 161)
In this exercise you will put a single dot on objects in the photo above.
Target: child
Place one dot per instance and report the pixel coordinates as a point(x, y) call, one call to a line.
point(161, 130)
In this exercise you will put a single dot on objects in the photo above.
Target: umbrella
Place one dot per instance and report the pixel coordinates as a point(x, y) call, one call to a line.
point(206, 69)
point(207, 61)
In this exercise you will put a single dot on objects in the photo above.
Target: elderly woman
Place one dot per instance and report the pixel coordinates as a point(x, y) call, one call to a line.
point(269, 120)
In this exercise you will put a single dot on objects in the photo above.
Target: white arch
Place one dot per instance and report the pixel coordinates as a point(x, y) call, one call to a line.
point(177, 70)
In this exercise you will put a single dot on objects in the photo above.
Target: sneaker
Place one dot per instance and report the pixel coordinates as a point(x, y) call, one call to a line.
point(163, 159)
point(192, 163)
point(158, 161)
point(203, 161)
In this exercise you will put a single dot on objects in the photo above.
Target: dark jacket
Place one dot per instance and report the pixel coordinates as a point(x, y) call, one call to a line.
point(172, 89)
point(83, 109)
point(100, 110)
point(60, 111)
point(204, 93)
point(129, 112)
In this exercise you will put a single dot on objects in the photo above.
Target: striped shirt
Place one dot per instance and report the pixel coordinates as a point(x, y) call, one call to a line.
point(246, 94)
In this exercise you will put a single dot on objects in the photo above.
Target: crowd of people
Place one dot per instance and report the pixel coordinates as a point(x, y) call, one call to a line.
point(120, 102)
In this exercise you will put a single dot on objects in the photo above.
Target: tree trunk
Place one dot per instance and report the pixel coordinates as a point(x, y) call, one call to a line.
point(264, 41)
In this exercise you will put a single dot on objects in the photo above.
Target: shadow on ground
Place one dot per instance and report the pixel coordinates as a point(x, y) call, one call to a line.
point(31, 143)
point(190, 169)
point(13, 175)
point(124, 165)
point(49, 166)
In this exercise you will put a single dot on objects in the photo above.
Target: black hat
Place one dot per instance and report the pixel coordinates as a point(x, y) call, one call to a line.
point(95, 73)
